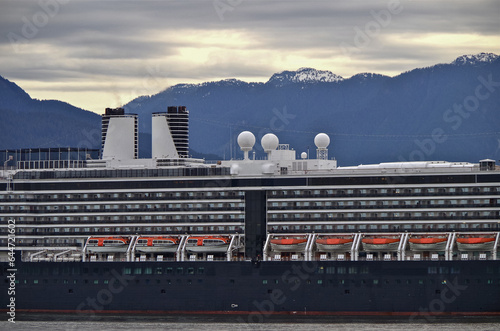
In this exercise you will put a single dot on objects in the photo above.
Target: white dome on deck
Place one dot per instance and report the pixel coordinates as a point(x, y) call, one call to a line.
point(322, 140)
point(269, 142)
point(246, 140)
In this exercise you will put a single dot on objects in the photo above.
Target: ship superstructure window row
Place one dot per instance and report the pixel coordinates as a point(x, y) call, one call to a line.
point(122, 196)
point(131, 173)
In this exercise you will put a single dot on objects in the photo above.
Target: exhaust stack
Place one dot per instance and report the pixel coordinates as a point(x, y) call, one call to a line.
point(119, 135)
point(170, 134)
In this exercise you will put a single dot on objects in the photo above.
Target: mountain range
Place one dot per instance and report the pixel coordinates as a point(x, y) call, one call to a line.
point(443, 112)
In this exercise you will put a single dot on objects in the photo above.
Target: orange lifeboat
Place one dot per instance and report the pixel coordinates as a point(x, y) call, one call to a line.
point(428, 244)
point(475, 243)
point(474, 240)
point(427, 240)
point(207, 244)
point(157, 244)
point(288, 244)
point(380, 244)
point(380, 241)
point(334, 244)
point(107, 244)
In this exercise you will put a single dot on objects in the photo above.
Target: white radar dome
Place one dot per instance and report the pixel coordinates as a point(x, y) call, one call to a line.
point(303, 155)
point(246, 140)
point(322, 140)
point(269, 142)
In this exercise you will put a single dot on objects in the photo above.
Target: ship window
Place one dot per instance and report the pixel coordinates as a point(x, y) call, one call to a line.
point(190, 271)
point(330, 270)
point(35, 281)
point(353, 270)
point(137, 271)
point(420, 281)
point(321, 270)
point(158, 271)
point(264, 281)
point(96, 281)
point(180, 270)
point(375, 282)
point(169, 271)
point(148, 270)
point(341, 270)
point(127, 271)
point(320, 282)
point(432, 270)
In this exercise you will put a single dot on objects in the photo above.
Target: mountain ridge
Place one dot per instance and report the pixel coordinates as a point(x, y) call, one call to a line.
point(379, 117)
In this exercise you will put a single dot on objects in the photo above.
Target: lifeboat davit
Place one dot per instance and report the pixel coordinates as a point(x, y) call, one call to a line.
point(475, 243)
point(107, 244)
point(157, 244)
point(334, 244)
point(288, 244)
point(428, 244)
point(207, 244)
point(380, 244)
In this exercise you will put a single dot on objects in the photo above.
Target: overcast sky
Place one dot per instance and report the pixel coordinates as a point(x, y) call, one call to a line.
point(97, 54)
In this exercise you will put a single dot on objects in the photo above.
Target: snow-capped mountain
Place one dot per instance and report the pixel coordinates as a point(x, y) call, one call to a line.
point(475, 59)
point(304, 75)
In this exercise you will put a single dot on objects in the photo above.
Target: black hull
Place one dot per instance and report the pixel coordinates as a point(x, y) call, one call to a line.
point(418, 288)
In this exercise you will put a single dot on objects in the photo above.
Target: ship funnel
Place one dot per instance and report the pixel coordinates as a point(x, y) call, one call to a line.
point(170, 134)
point(119, 135)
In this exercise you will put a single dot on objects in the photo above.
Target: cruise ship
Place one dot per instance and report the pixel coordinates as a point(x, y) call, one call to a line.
point(95, 232)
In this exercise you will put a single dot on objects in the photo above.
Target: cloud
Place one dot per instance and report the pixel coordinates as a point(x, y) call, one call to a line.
point(75, 45)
